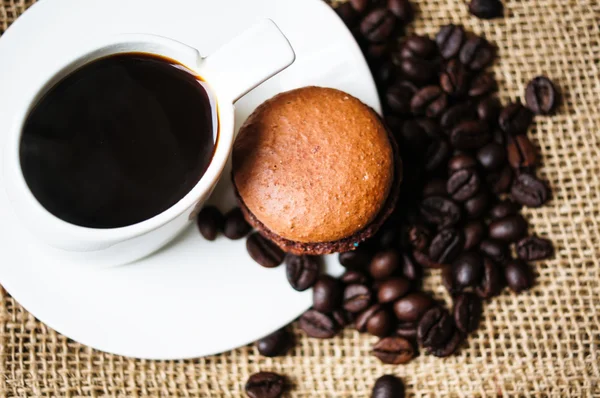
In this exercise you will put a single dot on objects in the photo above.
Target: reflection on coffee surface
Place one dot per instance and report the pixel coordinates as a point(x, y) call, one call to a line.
point(118, 141)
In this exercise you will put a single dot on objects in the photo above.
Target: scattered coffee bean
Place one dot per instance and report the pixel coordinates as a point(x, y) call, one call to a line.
point(430, 101)
point(302, 271)
point(411, 307)
point(352, 276)
point(496, 250)
point(486, 9)
point(521, 152)
point(380, 324)
point(515, 119)
point(318, 325)
point(461, 162)
point(509, 229)
point(398, 97)
point(518, 276)
point(534, 248)
point(210, 222)
point(384, 264)
point(388, 386)
point(263, 251)
point(359, 5)
point(343, 318)
point(402, 9)
point(482, 84)
point(413, 137)
point(394, 350)
point(454, 79)
point(419, 237)
point(408, 330)
point(265, 385)
point(424, 260)
point(446, 245)
point(355, 259)
point(435, 187)
point(376, 51)
point(378, 25)
point(474, 232)
point(410, 269)
point(492, 156)
point(463, 185)
point(491, 281)
point(276, 344)
point(478, 205)
point(435, 328)
point(440, 211)
point(235, 226)
point(529, 191)
point(356, 298)
point(449, 40)
point(500, 181)
point(470, 134)
point(456, 114)
point(466, 271)
point(467, 312)
point(363, 318)
point(449, 347)
point(327, 294)
point(437, 154)
point(476, 53)
point(503, 209)
point(392, 289)
point(541, 96)
point(488, 109)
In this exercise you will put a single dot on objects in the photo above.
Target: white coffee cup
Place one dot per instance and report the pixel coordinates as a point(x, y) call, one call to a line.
point(236, 68)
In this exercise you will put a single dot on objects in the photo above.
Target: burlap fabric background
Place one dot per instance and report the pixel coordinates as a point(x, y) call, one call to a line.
point(542, 343)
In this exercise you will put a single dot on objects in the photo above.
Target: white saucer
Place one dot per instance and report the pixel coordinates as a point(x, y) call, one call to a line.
point(193, 298)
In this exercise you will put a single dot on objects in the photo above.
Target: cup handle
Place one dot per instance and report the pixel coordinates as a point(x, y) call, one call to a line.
point(249, 59)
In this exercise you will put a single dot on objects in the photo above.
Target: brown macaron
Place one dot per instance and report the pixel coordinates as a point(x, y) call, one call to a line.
point(316, 171)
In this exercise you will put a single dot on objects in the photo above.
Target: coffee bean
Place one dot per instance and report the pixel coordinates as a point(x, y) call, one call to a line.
point(498, 135)
point(456, 114)
point(430, 101)
point(384, 264)
point(398, 97)
point(317, 324)
point(461, 162)
point(491, 281)
point(446, 245)
point(529, 191)
point(394, 351)
point(476, 53)
point(410, 269)
point(518, 276)
point(392, 289)
point(359, 5)
point(496, 250)
point(408, 330)
point(263, 251)
point(478, 205)
point(488, 110)
point(363, 318)
point(378, 25)
point(235, 226)
point(375, 52)
point(302, 271)
point(440, 211)
point(276, 344)
point(503, 209)
point(347, 14)
point(449, 347)
point(435, 328)
point(486, 9)
point(342, 318)
point(355, 259)
point(352, 276)
point(402, 9)
point(424, 260)
point(419, 236)
point(500, 181)
point(492, 156)
point(463, 185)
point(508, 229)
point(449, 40)
point(387, 238)
point(356, 298)
point(418, 47)
point(327, 294)
point(265, 385)
point(413, 137)
point(470, 134)
point(435, 187)
point(541, 96)
point(448, 280)
point(467, 312)
point(430, 127)
point(482, 84)
point(466, 271)
point(388, 386)
point(454, 78)
point(515, 119)
point(411, 307)
point(521, 152)
point(534, 248)
point(474, 232)
point(380, 324)
point(210, 222)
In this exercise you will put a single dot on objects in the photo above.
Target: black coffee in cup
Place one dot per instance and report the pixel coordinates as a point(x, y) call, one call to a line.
point(118, 141)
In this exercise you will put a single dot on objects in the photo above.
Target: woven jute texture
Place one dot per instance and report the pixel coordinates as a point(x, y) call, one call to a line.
point(545, 342)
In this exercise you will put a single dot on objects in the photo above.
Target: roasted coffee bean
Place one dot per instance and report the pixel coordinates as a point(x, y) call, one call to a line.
point(413, 137)
point(263, 251)
point(347, 14)
point(363, 318)
point(402, 9)
point(210, 222)
point(518, 276)
point(343, 318)
point(486, 9)
point(411, 307)
point(456, 114)
point(378, 25)
point(503, 209)
point(448, 280)
point(384, 264)
point(418, 47)
point(491, 280)
point(437, 154)
point(435, 328)
point(470, 134)
point(467, 312)
point(492, 156)
point(317, 324)
point(500, 181)
point(327, 294)
point(541, 96)
point(521, 152)
point(276, 344)
point(446, 245)
point(355, 259)
point(534, 248)
point(392, 289)
point(508, 229)
point(466, 271)
point(461, 162)
point(498, 135)
point(408, 330)
point(430, 101)
point(478, 205)
point(449, 40)
point(356, 298)
point(419, 236)
point(435, 187)
point(496, 250)
point(482, 84)
point(410, 269)
point(488, 110)
point(449, 347)
point(265, 385)
point(235, 226)
point(360, 5)
point(430, 127)
point(476, 53)
point(440, 211)
point(398, 97)
point(354, 277)
point(515, 119)
point(388, 386)
point(454, 78)
point(381, 324)
point(474, 232)
point(424, 260)
point(529, 191)
point(463, 185)
point(302, 271)
point(394, 350)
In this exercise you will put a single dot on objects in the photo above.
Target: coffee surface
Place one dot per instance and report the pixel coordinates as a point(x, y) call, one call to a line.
point(118, 141)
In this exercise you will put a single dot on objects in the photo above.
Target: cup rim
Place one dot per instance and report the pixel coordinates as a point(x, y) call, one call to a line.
point(115, 45)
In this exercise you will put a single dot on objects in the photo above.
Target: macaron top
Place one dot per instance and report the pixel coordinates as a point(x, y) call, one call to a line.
point(313, 164)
